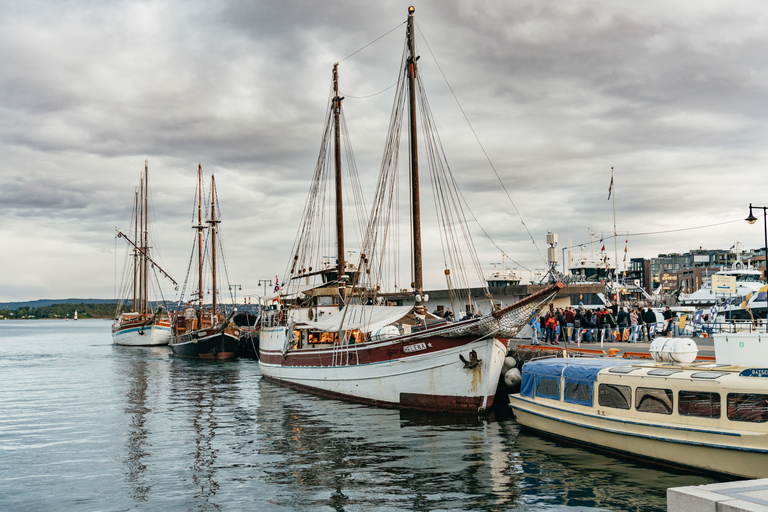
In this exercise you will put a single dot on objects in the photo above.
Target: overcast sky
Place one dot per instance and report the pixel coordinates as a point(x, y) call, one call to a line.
point(673, 95)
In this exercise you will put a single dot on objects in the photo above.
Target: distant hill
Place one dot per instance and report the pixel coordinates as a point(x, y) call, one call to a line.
point(39, 303)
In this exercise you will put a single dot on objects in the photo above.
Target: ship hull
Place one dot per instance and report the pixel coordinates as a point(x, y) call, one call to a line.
point(407, 372)
point(136, 334)
point(702, 450)
point(219, 346)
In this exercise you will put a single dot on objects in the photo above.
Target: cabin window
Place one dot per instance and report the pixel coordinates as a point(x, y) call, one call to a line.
point(654, 400)
point(698, 403)
point(750, 407)
point(614, 396)
point(548, 388)
point(578, 392)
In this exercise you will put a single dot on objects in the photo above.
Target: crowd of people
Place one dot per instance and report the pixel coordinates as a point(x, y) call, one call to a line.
point(612, 323)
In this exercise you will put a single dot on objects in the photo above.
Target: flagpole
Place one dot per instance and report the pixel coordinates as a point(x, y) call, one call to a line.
point(615, 247)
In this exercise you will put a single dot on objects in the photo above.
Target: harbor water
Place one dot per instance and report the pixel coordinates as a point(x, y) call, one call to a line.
point(85, 425)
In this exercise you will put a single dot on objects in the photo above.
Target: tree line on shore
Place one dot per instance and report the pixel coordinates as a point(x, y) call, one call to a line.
point(63, 311)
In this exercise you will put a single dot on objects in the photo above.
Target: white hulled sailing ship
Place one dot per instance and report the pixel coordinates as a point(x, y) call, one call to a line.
point(346, 336)
point(147, 322)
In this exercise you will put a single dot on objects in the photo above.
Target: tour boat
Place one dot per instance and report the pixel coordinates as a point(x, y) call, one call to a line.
point(335, 330)
point(706, 416)
point(147, 323)
point(201, 331)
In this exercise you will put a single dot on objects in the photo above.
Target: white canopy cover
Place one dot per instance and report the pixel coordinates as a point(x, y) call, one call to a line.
point(365, 318)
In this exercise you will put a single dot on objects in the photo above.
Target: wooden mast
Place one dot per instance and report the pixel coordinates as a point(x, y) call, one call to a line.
point(145, 290)
point(200, 228)
point(416, 216)
point(213, 223)
point(340, 263)
point(135, 250)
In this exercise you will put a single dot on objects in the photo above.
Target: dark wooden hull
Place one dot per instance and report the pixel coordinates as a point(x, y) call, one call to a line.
point(220, 346)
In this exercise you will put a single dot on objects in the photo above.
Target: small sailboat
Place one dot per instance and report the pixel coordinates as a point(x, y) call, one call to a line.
point(202, 331)
point(147, 323)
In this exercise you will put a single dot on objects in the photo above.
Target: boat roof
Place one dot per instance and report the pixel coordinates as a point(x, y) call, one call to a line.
point(582, 367)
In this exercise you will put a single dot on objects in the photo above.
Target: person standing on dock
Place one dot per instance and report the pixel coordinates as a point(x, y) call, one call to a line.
point(633, 325)
point(569, 316)
point(649, 317)
point(535, 328)
point(667, 321)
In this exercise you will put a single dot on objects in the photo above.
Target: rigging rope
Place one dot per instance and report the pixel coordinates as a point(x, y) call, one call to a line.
point(369, 44)
point(522, 221)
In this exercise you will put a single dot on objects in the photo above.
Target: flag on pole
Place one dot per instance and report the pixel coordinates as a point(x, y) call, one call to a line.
point(610, 188)
point(277, 285)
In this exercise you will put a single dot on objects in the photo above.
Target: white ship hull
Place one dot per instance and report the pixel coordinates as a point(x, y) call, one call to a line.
point(142, 336)
point(403, 372)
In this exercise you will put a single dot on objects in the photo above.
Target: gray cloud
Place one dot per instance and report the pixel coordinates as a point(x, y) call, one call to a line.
point(672, 96)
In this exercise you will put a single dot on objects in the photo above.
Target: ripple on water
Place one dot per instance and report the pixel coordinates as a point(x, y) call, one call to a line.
point(85, 425)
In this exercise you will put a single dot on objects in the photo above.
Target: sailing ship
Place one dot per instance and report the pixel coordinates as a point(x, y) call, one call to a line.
point(147, 323)
point(333, 330)
point(199, 331)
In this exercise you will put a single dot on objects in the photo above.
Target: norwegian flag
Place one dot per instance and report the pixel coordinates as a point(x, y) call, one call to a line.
point(277, 285)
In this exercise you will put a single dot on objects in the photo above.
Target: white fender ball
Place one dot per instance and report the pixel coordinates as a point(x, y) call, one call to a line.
point(509, 363)
point(512, 378)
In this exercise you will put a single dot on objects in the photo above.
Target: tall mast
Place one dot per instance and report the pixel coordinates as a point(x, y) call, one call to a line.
point(135, 251)
point(340, 263)
point(213, 223)
point(615, 248)
point(145, 307)
point(416, 218)
point(200, 228)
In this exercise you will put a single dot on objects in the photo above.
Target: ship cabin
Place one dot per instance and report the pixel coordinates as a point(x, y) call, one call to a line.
point(701, 394)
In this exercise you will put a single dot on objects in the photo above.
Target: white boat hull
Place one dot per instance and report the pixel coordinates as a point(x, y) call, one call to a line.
point(423, 374)
point(710, 449)
point(138, 336)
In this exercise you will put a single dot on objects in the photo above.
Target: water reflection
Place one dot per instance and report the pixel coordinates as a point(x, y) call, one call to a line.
point(325, 453)
point(585, 478)
point(205, 395)
point(138, 370)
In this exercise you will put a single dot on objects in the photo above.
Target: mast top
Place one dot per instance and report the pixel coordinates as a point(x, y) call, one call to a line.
point(411, 9)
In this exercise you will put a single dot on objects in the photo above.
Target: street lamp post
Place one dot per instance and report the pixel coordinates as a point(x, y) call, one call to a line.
point(265, 282)
point(752, 219)
point(234, 288)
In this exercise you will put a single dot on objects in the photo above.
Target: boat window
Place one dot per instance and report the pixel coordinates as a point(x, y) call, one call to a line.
point(707, 375)
point(578, 392)
point(662, 372)
point(548, 388)
point(750, 407)
point(614, 396)
point(698, 403)
point(654, 400)
point(621, 369)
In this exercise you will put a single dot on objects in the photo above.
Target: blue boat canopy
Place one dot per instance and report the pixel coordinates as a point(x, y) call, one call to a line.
point(543, 377)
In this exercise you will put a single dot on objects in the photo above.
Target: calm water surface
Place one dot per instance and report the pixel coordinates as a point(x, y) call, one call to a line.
point(85, 425)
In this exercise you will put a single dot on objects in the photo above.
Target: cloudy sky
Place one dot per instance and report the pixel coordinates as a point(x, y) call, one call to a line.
point(673, 95)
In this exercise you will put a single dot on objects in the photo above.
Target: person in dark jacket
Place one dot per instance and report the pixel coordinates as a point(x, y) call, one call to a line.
point(649, 317)
point(563, 324)
point(622, 320)
point(668, 321)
